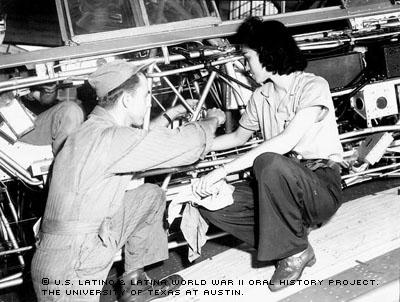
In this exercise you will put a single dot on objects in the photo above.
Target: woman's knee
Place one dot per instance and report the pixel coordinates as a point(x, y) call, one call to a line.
point(269, 164)
point(210, 216)
point(206, 214)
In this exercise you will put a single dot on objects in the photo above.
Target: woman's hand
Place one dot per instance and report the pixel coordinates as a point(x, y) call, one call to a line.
point(206, 184)
point(217, 114)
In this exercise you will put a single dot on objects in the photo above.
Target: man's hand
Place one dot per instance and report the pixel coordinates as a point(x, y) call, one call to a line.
point(172, 114)
point(206, 184)
point(181, 110)
point(218, 114)
point(6, 98)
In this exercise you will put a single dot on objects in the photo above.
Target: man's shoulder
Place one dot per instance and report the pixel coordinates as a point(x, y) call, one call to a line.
point(126, 131)
point(107, 128)
point(97, 136)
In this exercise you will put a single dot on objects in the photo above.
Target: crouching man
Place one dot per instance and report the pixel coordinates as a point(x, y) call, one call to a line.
point(89, 213)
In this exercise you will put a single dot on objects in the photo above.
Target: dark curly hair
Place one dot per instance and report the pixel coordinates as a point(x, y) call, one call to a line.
point(277, 50)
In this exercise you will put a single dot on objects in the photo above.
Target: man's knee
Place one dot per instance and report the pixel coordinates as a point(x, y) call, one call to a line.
point(269, 164)
point(154, 194)
point(72, 112)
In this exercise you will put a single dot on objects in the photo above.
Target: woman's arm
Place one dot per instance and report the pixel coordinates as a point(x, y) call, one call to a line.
point(280, 144)
point(231, 140)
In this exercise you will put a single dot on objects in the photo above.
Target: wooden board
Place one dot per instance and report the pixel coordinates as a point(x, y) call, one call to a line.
point(362, 229)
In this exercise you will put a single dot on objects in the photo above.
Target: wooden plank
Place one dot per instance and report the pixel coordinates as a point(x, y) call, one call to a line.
point(362, 229)
point(359, 281)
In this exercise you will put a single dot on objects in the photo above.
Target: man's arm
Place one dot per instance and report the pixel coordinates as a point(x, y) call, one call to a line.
point(162, 147)
point(164, 119)
point(281, 144)
point(171, 114)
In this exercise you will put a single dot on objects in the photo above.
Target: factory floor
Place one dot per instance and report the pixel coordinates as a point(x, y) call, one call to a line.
point(217, 254)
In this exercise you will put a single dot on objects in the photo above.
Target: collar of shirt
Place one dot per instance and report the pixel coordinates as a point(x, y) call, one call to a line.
point(268, 91)
point(101, 113)
point(265, 90)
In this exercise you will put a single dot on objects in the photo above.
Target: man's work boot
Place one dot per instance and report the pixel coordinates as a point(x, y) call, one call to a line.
point(290, 269)
point(138, 287)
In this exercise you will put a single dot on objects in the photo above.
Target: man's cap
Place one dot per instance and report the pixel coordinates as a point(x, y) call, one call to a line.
point(111, 75)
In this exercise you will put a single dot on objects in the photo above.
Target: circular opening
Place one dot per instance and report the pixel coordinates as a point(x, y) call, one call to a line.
point(359, 103)
point(381, 102)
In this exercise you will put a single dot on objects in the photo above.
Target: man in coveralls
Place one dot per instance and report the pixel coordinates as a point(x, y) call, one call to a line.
point(53, 125)
point(295, 113)
point(89, 213)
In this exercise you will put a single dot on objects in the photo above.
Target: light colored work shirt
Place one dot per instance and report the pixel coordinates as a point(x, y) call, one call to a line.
point(53, 126)
point(266, 112)
point(89, 181)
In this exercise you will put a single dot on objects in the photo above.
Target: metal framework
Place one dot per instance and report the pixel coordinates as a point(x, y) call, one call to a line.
point(140, 16)
point(164, 38)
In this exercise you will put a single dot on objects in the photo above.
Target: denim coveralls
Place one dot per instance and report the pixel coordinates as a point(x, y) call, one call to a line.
point(89, 214)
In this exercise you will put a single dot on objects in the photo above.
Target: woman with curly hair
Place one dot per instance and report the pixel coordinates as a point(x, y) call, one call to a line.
point(296, 168)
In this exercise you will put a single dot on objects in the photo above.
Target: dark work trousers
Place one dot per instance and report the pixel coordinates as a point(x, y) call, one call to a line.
point(290, 198)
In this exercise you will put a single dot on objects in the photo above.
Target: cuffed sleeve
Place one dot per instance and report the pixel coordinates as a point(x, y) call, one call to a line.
point(249, 119)
point(315, 93)
point(208, 138)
